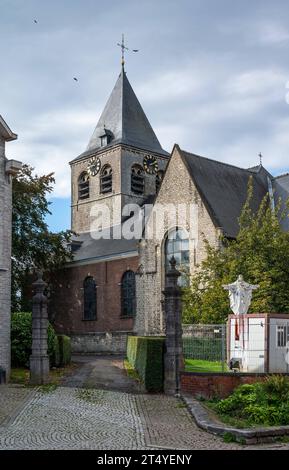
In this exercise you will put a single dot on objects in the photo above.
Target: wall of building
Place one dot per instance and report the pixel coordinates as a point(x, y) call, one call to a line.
point(220, 385)
point(66, 305)
point(121, 159)
point(177, 188)
point(5, 262)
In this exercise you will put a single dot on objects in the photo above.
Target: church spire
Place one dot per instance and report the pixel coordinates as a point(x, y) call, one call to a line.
point(123, 121)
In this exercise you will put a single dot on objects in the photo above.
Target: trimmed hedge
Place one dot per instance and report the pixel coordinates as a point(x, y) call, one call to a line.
point(64, 350)
point(21, 339)
point(146, 355)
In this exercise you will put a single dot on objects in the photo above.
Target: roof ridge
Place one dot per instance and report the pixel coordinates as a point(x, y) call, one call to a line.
point(280, 176)
point(216, 161)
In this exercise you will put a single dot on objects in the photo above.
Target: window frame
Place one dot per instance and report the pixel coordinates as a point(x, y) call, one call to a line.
point(105, 187)
point(137, 181)
point(94, 317)
point(127, 298)
point(82, 184)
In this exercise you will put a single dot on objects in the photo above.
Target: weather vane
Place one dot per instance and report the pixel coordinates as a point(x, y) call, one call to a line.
point(261, 157)
point(124, 49)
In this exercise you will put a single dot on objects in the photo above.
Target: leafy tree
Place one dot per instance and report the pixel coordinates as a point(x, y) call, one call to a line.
point(33, 245)
point(260, 253)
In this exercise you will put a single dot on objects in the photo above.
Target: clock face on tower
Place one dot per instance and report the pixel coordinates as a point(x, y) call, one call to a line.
point(93, 166)
point(150, 164)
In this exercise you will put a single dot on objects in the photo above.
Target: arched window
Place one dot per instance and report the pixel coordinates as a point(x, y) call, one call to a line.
point(159, 178)
point(83, 186)
point(177, 245)
point(106, 179)
point(137, 179)
point(89, 299)
point(128, 303)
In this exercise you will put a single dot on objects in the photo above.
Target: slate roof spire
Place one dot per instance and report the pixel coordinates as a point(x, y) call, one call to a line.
point(123, 121)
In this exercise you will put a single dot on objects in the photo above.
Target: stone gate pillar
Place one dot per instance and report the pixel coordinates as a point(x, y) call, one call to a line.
point(173, 320)
point(39, 360)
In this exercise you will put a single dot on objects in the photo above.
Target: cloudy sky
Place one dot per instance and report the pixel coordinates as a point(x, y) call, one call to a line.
point(211, 75)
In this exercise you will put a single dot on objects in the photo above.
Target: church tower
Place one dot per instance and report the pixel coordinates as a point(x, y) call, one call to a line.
point(123, 163)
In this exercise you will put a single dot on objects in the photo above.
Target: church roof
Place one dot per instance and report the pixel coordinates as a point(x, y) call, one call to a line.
point(124, 122)
point(223, 189)
point(85, 247)
point(5, 130)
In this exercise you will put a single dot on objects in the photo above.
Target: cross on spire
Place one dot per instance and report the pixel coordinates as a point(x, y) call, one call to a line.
point(124, 49)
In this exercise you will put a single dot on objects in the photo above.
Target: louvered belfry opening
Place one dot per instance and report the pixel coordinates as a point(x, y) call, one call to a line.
point(83, 186)
point(106, 180)
point(159, 178)
point(90, 299)
point(137, 179)
point(128, 300)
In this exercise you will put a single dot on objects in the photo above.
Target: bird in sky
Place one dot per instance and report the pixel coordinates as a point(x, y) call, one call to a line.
point(135, 50)
point(76, 79)
point(35, 21)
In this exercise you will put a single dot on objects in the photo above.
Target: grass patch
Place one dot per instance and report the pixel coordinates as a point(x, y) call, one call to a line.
point(131, 372)
point(91, 396)
point(21, 375)
point(47, 388)
point(199, 365)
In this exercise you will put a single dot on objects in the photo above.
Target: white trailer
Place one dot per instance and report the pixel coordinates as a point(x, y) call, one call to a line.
point(259, 342)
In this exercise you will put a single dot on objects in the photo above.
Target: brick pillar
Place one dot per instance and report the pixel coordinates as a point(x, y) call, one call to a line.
point(39, 360)
point(173, 319)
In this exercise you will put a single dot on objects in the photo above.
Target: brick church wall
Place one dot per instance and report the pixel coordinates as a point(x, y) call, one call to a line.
point(109, 331)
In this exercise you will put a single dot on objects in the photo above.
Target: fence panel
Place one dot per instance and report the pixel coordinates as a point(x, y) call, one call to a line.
point(205, 343)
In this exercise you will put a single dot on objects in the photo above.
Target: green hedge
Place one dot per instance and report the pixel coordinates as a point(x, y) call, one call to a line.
point(146, 355)
point(64, 350)
point(21, 339)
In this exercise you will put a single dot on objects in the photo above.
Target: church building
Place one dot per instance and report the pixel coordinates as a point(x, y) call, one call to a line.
point(113, 286)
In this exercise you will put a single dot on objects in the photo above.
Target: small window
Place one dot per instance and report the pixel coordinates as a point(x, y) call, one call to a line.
point(159, 178)
point(128, 303)
point(282, 336)
point(106, 179)
point(83, 186)
point(90, 299)
point(137, 179)
point(106, 138)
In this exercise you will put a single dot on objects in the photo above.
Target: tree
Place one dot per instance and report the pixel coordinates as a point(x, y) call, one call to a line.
point(260, 253)
point(33, 245)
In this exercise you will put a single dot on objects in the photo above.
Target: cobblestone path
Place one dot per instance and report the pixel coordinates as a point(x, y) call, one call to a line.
point(113, 415)
point(77, 418)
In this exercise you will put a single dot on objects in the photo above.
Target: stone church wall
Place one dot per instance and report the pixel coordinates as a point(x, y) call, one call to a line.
point(177, 188)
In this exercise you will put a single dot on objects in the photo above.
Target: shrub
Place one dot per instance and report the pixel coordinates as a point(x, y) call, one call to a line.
point(64, 348)
point(262, 403)
point(21, 339)
point(146, 355)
